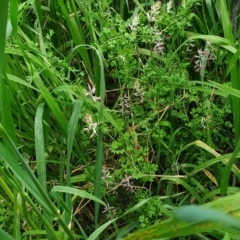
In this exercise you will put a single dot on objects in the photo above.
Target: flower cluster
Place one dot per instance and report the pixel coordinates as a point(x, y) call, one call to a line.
point(125, 104)
point(138, 90)
point(91, 126)
point(155, 10)
point(202, 57)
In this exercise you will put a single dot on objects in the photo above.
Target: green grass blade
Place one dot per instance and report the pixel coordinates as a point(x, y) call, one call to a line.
point(21, 175)
point(40, 155)
point(16, 79)
point(98, 231)
point(25, 174)
point(100, 152)
point(228, 90)
point(4, 9)
point(46, 126)
point(39, 146)
point(221, 159)
point(52, 234)
point(59, 200)
point(100, 155)
point(185, 185)
point(186, 223)
point(193, 214)
point(6, 115)
point(14, 14)
point(31, 62)
point(80, 193)
point(76, 33)
point(52, 104)
point(38, 10)
point(9, 30)
point(209, 4)
point(98, 174)
point(226, 24)
point(233, 61)
point(28, 179)
point(234, 73)
point(6, 188)
point(16, 229)
point(4, 235)
point(227, 170)
point(72, 128)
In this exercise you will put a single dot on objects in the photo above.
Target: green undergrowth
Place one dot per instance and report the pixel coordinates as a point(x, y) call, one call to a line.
point(118, 118)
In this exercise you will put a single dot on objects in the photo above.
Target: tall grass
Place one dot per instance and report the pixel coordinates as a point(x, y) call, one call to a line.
point(37, 70)
point(51, 61)
point(228, 43)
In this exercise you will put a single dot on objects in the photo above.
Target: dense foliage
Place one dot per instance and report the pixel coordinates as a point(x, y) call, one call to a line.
point(115, 115)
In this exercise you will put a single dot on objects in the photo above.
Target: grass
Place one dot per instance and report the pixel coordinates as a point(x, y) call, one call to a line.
point(119, 120)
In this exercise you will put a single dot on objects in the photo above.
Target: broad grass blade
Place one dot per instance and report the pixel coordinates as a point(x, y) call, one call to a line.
point(100, 152)
point(52, 104)
point(6, 115)
point(24, 174)
point(76, 33)
point(23, 177)
point(209, 4)
point(39, 146)
point(227, 170)
point(80, 193)
point(14, 14)
point(234, 73)
point(194, 214)
point(4, 235)
point(40, 155)
point(185, 223)
point(72, 128)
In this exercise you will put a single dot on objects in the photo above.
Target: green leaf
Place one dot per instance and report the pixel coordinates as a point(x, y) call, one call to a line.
point(39, 146)
point(14, 14)
point(6, 114)
point(194, 214)
point(227, 170)
point(190, 220)
point(72, 128)
point(4, 235)
point(80, 193)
